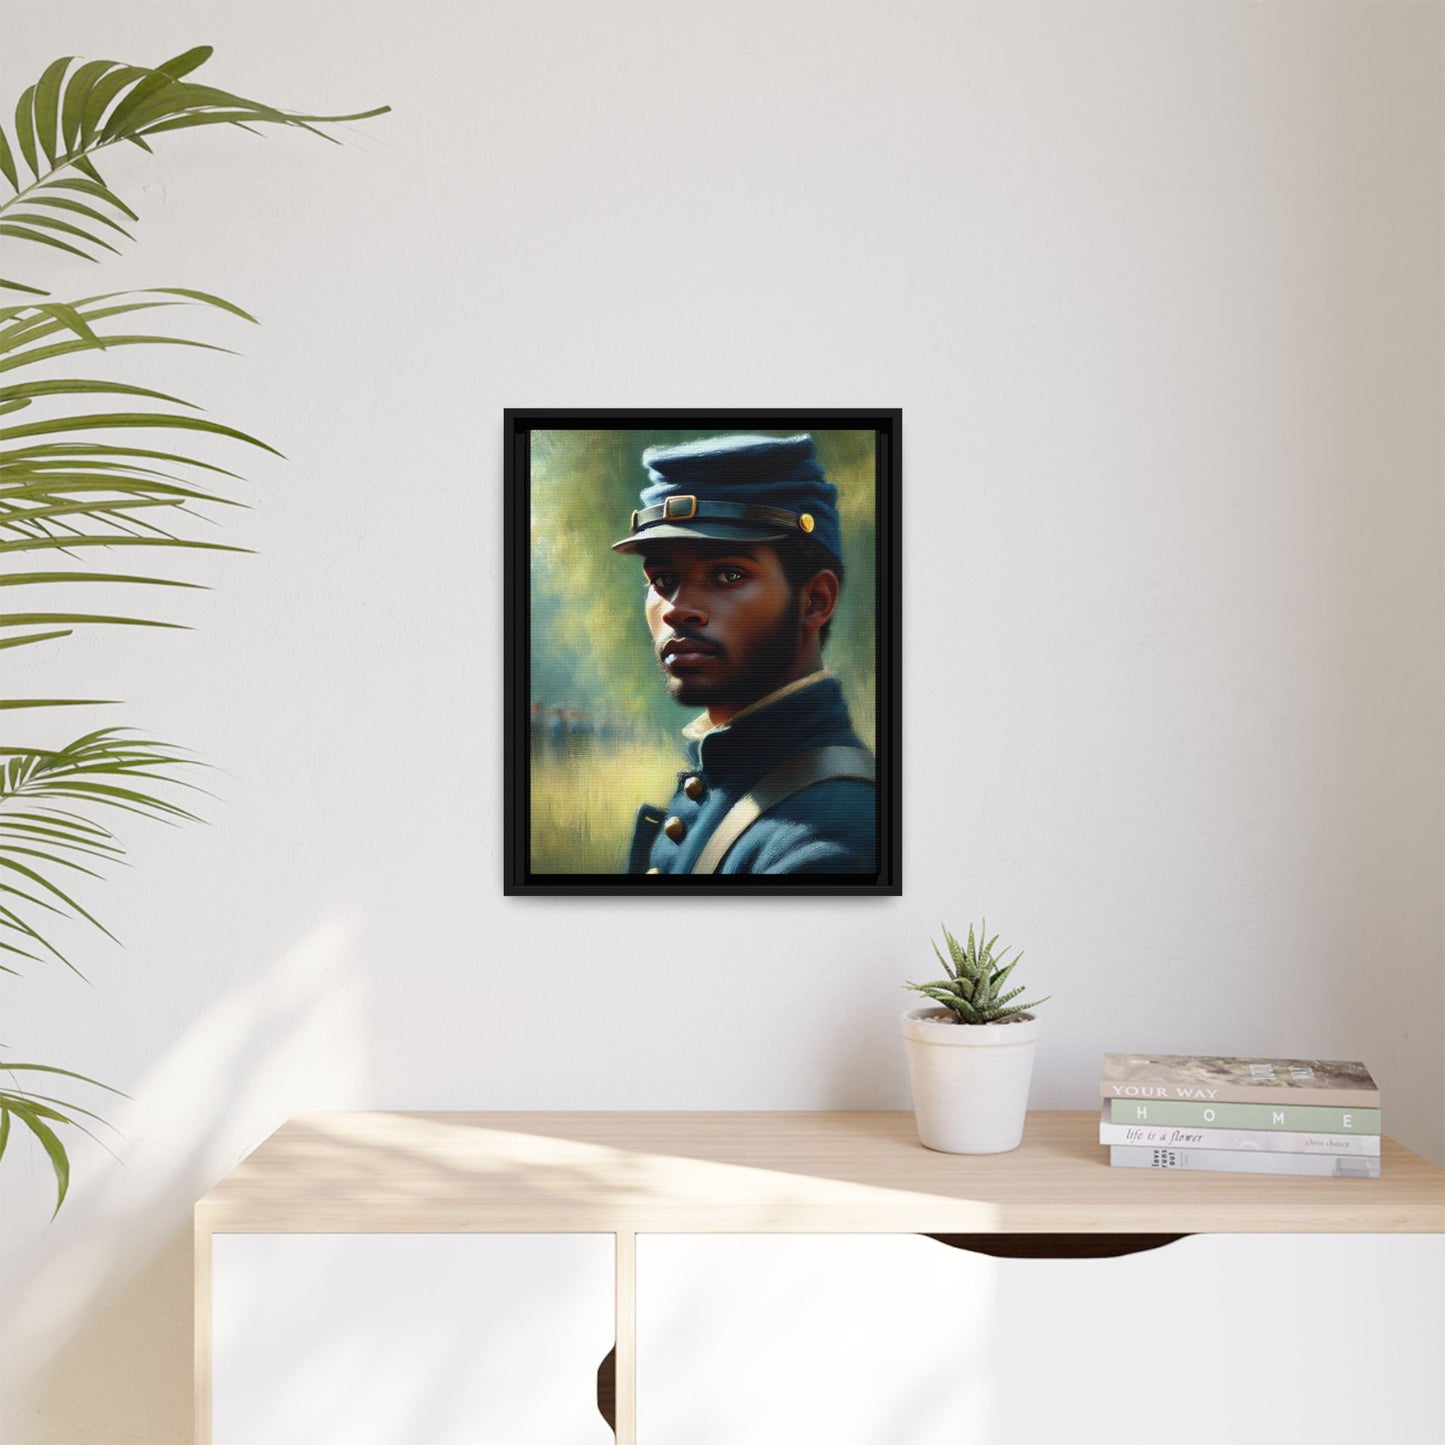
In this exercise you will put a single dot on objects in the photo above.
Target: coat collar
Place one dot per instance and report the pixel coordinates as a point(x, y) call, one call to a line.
point(701, 725)
point(803, 715)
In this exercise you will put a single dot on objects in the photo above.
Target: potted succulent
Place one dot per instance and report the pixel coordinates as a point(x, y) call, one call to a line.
point(970, 1058)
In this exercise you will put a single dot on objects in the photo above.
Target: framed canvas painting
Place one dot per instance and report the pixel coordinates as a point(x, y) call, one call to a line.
point(703, 690)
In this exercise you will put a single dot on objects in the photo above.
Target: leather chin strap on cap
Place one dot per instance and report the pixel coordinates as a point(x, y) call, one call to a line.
point(819, 766)
point(688, 508)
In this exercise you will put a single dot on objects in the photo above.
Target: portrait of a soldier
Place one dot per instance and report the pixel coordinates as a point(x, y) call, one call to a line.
point(741, 551)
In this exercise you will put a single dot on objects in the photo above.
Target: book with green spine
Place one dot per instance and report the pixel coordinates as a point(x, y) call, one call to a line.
point(1225, 1136)
point(1314, 1118)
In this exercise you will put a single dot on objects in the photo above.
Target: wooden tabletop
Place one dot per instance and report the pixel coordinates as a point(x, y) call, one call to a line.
point(825, 1172)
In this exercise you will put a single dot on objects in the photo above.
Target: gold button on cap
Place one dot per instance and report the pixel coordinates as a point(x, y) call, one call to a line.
point(654, 870)
point(806, 522)
point(693, 788)
point(675, 828)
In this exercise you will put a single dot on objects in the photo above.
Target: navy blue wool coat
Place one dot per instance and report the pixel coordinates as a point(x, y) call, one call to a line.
point(829, 827)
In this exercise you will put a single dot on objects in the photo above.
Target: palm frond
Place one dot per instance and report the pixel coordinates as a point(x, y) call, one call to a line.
point(74, 111)
point(41, 1113)
point(63, 491)
point(71, 114)
point(109, 768)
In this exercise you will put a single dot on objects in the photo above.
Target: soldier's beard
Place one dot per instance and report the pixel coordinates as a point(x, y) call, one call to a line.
point(743, 677)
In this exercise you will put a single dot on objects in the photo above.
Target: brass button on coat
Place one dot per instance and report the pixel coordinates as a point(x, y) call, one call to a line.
point(675, 828)
point(654, 870)
point(693, 788)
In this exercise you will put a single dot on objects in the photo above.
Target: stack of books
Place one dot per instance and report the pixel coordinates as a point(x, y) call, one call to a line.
point(1245, 1116)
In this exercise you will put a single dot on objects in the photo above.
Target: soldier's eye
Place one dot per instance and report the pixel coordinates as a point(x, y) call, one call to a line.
point(730, 576)
point(662, 582)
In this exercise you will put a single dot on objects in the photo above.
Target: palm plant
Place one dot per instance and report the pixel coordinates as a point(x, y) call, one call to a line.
point(74, 485)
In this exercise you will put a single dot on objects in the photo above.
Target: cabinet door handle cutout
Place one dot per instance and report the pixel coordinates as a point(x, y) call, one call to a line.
point(1056, 1246)
point(607, 1389)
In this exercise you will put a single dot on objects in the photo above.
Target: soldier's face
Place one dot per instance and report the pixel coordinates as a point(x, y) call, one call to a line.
point(725, 621)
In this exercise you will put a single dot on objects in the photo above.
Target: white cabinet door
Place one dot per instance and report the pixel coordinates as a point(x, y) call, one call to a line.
point(900, 1340)
point(824, 1339)
point(398, 1339)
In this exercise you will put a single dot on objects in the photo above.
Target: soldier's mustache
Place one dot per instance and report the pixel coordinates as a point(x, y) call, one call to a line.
point(684, 634)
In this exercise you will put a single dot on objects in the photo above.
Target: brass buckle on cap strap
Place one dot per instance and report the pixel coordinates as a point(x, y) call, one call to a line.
point(686, 508)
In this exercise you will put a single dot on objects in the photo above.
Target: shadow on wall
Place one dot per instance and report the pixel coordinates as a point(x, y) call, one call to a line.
point(864, 1062)
point(99, 1305)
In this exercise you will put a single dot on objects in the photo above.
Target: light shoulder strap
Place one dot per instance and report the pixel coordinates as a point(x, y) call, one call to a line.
point(819, 766)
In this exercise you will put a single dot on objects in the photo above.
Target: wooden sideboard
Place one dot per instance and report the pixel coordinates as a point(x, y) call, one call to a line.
point(626, 1175)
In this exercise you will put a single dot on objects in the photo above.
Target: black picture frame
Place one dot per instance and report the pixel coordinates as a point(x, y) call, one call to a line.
point(520, 730)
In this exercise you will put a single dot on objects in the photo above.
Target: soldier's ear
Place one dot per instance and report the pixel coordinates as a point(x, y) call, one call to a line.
point(819, 598)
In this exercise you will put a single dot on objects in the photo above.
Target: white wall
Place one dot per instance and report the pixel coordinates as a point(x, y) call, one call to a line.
point(1159, 290)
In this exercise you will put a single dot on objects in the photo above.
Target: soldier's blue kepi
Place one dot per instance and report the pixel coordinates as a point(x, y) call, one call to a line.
point(736, 489)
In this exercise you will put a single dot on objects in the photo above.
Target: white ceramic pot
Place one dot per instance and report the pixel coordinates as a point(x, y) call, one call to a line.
point(970, 1081)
